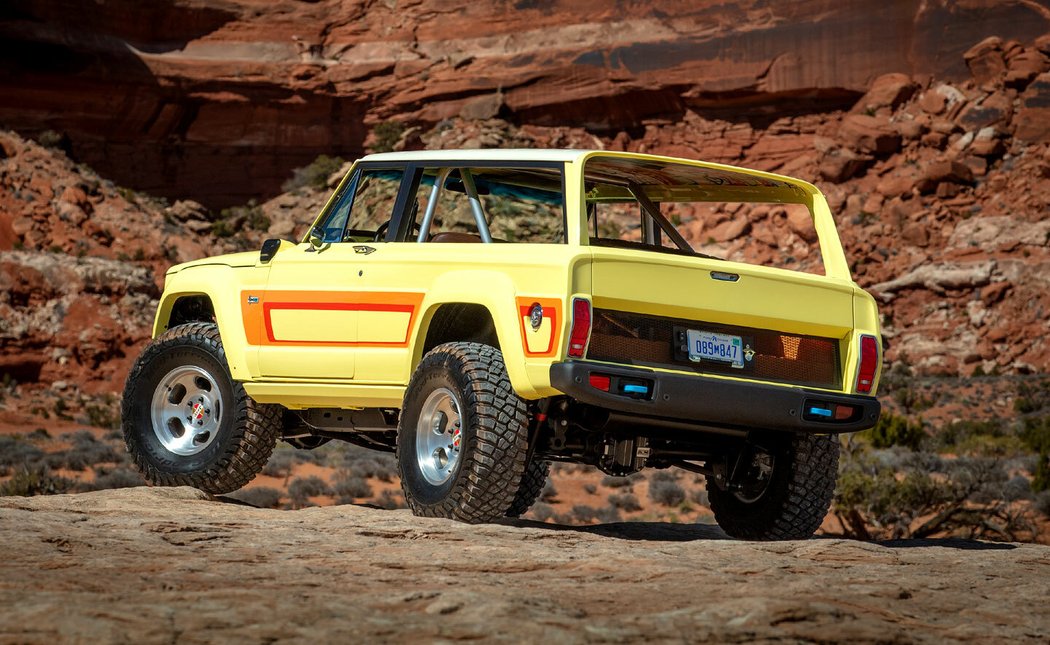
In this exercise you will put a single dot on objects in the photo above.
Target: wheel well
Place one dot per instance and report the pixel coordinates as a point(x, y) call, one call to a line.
point(189, 309)
point(456, 322)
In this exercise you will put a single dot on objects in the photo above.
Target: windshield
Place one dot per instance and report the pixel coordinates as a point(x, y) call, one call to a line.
point(656, 205)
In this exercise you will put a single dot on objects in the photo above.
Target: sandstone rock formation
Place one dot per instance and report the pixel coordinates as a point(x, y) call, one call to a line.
point(939, 188)
point(220, 99)
point(171, 564)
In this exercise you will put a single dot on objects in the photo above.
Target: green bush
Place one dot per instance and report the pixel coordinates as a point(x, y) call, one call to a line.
point(35, 480)
point(386, 134)
point(1032, 397)
point(625, 501)
point(260, 497)
point(347, 489)
point(1041, 476)
point(104, 414)
point(314, 175)
point(893, 430)
point(665, 492)
point(924, 495)
point(990, 437)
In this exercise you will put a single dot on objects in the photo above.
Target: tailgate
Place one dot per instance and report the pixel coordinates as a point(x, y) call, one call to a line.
point(651, 309)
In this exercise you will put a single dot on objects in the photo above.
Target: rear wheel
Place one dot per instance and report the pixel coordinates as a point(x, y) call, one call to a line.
point(531, 487)
point(186, 422)
point(462, 439)
point(784, 493)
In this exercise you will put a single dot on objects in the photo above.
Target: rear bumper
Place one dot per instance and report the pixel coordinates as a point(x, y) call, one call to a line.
point(714, 402)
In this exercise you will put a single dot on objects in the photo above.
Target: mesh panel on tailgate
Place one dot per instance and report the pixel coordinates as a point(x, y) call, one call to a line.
point(636, 339)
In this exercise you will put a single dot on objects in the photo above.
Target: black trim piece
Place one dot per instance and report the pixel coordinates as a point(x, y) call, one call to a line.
point(714, 402)
point(405, 193)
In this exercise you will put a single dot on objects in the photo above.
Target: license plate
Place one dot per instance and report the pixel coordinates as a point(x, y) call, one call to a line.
point(709, 346)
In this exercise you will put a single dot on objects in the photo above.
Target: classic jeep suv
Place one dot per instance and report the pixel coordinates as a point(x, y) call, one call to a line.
point(483, 313)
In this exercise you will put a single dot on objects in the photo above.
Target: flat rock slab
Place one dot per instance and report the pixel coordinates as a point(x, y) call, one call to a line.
point(153, 564)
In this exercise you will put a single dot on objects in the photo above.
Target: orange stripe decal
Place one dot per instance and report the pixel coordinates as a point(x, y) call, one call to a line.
point(550, 326)
point(258, 313)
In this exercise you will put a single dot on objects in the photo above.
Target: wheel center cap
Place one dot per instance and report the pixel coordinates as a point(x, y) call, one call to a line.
point(197, 412)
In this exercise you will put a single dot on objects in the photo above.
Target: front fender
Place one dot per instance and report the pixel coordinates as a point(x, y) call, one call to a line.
point(223, 286)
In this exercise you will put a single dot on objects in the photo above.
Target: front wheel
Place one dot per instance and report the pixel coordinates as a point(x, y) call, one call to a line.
point(785, 492)
point(462, 440)
point(186, 422)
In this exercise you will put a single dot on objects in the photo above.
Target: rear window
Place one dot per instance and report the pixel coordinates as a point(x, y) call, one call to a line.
point(652, 205)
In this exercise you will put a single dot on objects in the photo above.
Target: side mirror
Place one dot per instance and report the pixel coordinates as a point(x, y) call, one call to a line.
point(316, 239)
point(269, 249)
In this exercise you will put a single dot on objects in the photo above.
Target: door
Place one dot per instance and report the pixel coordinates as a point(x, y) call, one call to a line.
point(319, 308)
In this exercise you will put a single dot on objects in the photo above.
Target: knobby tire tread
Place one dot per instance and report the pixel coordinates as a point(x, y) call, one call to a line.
point(490, 475)
point(793, 511)
point(255, 429)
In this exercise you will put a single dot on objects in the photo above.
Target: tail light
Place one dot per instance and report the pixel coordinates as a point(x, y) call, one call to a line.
point(869, 364)
point(581, 327)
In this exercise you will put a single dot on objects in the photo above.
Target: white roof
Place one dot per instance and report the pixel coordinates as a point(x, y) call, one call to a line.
point(487, 154)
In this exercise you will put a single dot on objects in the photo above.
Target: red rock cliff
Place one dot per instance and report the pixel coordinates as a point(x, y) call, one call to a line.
point(219, 99)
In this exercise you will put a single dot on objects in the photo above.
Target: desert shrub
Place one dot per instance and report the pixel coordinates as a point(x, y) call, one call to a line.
point(1042, 503)
point(608, 514)
point(1035, 434)
point(1017, 488)
point(990, 437)
point(370, 463)
point(280, 464)
point(967, 496)
point(119, 477)
point(1041, 474)
point(303, 488)
point(17, 452)
point(311, 486)
point(667, 493)
point(584, 514)
point(668, 475)
point(590, 489)
point(894, 430)
point(35, 480)
point(234, 219)
point(549, 493)
point(261, 497)
point(390, 500)
point(541, 511)
point(316, 174)
point(385, 135)
point(1032, 397)
point(85, 451)
point(347, 488)
point(699, 496)
point(615, 482)
point(104, 414)
point(625, 501)
point(899, 383)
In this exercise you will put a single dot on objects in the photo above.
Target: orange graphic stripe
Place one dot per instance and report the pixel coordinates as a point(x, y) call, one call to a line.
point(551, 310)
point(258, 325)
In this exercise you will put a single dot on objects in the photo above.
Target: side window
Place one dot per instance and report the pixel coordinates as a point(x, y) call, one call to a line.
point(517, 204)
point(366, 204)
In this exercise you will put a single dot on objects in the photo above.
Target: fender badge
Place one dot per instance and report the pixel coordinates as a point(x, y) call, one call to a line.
point(536, 316)
point(253, 300)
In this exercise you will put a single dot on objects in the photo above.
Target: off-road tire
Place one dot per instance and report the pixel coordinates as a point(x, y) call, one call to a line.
point(531, 487)
point(796, 499)
point(493, 445)
point(246, 433)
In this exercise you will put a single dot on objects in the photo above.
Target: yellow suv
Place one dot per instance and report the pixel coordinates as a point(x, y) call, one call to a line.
point(485, 312)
